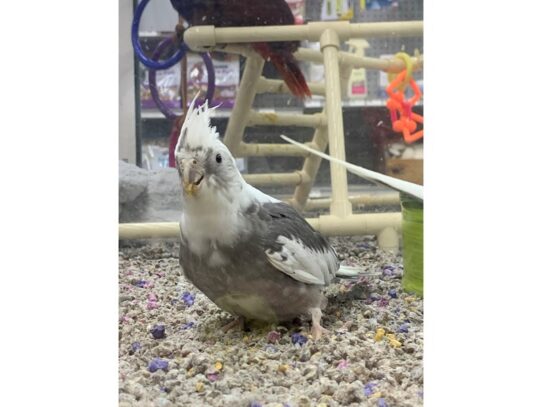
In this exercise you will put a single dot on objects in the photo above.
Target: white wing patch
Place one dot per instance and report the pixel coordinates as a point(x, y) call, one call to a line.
point(303, 263)
point(259, 195)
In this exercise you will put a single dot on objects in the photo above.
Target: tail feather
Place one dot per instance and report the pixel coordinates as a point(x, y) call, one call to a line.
point(353, 272)
point(292, 75)
point(286, 64)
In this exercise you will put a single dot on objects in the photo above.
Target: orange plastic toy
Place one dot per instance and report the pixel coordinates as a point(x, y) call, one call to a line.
point(403, 119)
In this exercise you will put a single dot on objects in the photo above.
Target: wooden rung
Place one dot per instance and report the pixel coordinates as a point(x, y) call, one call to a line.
point(286, 119)
point(276, 150)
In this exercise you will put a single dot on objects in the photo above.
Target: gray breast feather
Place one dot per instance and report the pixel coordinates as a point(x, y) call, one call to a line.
point(293, 247)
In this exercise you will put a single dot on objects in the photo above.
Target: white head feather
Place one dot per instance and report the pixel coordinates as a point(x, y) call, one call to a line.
point(196, 129)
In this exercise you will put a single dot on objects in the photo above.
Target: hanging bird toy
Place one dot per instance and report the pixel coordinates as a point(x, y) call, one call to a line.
point(403, 119)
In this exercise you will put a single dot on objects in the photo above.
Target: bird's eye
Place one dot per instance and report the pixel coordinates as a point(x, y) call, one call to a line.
point(218, 158)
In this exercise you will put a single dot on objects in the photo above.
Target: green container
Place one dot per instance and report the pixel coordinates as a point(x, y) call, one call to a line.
point(412, 210)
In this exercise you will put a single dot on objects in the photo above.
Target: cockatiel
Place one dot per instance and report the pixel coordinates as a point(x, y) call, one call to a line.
point(252, 255)
point(238, 13)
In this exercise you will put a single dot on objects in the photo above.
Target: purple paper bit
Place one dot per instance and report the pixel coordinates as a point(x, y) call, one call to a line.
point(158, 331)
point(188, 298)
point(382, 402)
point(392, 293)
point(136, 346)
point(140, 283)
point(403, 328)
point(298, 338)
point(212, 377)
point(273, 337)
point(255, 404)
point(388, 270)
point(363, 246)
point(187, 325)
point(152, 301)
point(343, 364)
point(383, 302)
point(157, 364)
point(368, 389)
point(372, 297)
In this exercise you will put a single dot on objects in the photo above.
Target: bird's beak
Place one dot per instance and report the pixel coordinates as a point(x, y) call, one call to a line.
point(193, 175)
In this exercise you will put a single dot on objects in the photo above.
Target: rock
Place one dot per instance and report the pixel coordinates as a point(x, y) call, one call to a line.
point(148, 195)
point(133, 198)
point(133, 182)
point(164, 192)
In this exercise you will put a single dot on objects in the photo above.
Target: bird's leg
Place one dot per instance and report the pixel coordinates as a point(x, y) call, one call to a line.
point(239, 321)
point(317, 330)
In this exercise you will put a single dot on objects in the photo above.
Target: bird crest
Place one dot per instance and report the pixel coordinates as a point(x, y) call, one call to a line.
point(196, 131)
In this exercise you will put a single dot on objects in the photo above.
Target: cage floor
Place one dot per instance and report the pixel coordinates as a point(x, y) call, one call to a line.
point(270, 365)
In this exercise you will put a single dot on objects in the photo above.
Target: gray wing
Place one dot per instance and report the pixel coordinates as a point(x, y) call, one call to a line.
point(293, 247)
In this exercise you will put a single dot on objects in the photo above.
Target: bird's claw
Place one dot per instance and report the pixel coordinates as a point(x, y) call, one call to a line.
point(317, 331)
point(239, 321)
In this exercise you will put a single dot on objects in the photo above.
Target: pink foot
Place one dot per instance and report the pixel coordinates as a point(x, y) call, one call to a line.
point(317, 330)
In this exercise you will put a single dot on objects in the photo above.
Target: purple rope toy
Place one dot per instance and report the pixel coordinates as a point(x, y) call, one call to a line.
point(167, 112)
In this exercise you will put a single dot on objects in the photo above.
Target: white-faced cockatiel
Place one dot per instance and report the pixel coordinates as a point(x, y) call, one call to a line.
point(252, 255)
point(246, 13)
